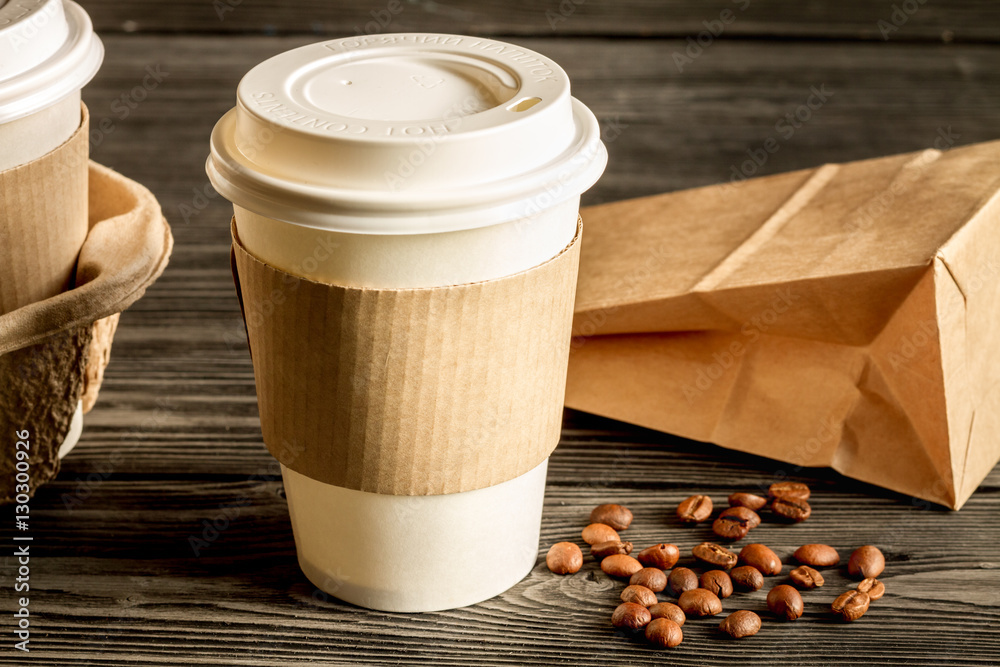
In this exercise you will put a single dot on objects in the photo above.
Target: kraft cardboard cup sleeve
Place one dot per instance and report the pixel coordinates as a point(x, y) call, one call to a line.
point(406, 241)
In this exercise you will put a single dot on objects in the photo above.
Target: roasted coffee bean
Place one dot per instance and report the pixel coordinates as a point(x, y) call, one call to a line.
point(851, 605)
point(718, 582)
point(664, 633)
point(596, 533)
point(794, 509)
point(715, 555)
point(620, 565)
point(748, 500)
point(762, 558)
point(745, 513)
point(694, 509)
point(806, 577)
point(564, 558)
point(668, 610)
point(652, 578)
point(747, 578)
point(617, 516)
point(866, 561)
point(699, 602)
point(639, 595)
point(873, 587)
point(789, 490)
point(681, 579)
point(730, 527)
point(785, 602)
point(630, 615)
point(817, 555)
point(742, 623)
point(663, 556)
point(610, 548)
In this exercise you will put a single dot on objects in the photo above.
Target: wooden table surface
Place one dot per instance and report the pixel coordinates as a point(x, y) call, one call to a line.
point(175, 438)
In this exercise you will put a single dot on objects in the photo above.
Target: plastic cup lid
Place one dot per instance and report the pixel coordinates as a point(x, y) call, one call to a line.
point(48, 50)
point(405, 133)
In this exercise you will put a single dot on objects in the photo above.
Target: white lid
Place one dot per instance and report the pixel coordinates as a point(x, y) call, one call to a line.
point(405, 133)
point(48, 50)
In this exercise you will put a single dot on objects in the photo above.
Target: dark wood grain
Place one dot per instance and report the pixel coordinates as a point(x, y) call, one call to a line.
point(119, 584)
point(175, 434)
point(926, 20)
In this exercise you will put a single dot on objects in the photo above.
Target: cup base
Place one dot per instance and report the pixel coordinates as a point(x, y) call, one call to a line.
point(75, 431)
point(416, 553)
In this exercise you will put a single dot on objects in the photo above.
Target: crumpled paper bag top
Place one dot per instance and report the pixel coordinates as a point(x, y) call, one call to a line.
point(840, 316)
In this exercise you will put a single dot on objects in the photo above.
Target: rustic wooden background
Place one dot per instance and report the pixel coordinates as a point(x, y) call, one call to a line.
point(175, 437)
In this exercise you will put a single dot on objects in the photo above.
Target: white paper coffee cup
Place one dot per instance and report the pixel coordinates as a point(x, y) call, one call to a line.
point(401, 161)
point(48, 52)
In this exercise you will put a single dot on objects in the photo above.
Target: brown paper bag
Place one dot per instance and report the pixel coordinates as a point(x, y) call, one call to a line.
point(843, 316)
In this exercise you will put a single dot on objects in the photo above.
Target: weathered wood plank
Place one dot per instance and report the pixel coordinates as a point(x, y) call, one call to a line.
point(118, 582)
point(855, 19)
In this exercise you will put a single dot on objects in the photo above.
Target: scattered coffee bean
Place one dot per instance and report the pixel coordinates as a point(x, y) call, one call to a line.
point(762, 558)
point(742, 623)
point(745, 513)
point(873, 587)
point(730, 527)
point(681, 579)
point(851, 605)
point(564, 558)
point(789, 490)
point(817, 555)
point(639, 595)
point(668, 610)
point(620, 565)
point(645, 573)
point(806, 577)
point(630, 615)
point(596, 533)
point(715, 555)
point(652, 578)
point(718, 582)
point(617, 516)
point(610, 548)
point(663, 556)
point(747, 578)
point(694, 509)
point(866, 561)
point(664, 633)
point(748, 500)
point(785, 602)
point(699, 602)
point(794, 509)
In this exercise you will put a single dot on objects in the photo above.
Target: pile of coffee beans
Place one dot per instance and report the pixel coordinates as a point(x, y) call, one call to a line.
point(724, 572)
